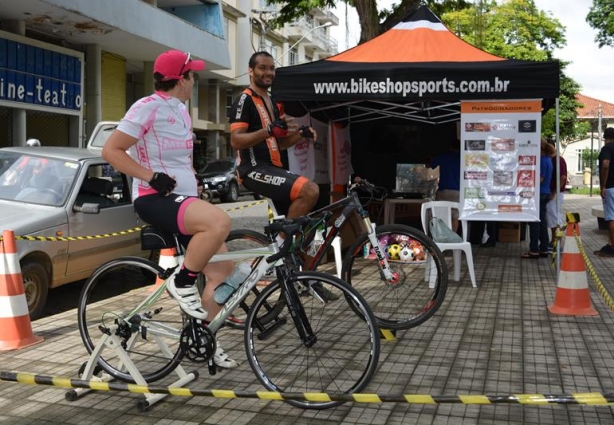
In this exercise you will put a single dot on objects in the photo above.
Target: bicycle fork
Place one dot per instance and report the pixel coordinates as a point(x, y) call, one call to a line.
point(384, 265)
point(296, 309)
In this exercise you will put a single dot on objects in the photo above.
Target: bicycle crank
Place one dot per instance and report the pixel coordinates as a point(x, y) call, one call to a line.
point(197, 342)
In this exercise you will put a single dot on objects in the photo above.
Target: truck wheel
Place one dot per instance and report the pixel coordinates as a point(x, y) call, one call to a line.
point(36, 287)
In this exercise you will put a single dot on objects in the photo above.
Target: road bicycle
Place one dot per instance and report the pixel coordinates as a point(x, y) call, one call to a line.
point(294, 341)
point(398, 269)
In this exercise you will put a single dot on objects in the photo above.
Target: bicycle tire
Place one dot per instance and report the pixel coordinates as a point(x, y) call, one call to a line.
point(418, 293)
point(344, 356)
point(99, 305)
point(238, 240)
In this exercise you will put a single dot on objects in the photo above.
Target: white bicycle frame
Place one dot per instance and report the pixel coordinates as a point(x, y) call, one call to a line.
point(157, 329)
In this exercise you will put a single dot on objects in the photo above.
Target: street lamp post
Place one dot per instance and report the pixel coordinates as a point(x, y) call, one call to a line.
point(327, 24)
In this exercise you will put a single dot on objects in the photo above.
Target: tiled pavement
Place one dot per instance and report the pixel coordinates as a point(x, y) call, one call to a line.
point(496, 339)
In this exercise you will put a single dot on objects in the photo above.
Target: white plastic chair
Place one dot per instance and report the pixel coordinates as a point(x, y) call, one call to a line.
point(443, 210)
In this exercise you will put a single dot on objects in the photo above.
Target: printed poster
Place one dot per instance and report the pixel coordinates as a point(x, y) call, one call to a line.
point(500, 149)
point(342, 153)
point(309, 157)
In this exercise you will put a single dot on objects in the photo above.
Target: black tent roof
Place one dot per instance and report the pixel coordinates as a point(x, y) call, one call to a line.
point(417, 70)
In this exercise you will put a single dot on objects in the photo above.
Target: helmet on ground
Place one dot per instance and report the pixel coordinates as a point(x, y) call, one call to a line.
point(33, 142)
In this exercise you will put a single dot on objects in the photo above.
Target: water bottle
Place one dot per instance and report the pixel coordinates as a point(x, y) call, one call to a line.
point(225, 290)
point(318, 240)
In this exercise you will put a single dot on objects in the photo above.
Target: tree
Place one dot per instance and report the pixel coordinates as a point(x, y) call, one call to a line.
point(373, 21)
point(516, 29)
point(513, 29)
point(601, 18)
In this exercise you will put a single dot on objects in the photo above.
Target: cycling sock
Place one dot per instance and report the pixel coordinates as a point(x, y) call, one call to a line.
point(185, 277)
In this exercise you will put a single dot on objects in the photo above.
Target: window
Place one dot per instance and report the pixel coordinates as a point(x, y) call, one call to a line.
point(579, 165)
point(229, 100)
point(293, 56)
point(104, 186)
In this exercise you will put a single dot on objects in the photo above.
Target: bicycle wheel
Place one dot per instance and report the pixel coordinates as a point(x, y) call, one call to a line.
point(242, 239)
point(418, 265)
point(110, 294)
point(341, 358)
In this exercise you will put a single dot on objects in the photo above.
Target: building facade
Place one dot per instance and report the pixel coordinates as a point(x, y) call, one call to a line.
point(66, 65)
point(600, 115)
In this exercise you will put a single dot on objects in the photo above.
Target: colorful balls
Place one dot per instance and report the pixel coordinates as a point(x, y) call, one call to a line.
point(394, 250)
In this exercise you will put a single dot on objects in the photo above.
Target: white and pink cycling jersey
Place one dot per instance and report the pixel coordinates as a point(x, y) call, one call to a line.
point(164, 129)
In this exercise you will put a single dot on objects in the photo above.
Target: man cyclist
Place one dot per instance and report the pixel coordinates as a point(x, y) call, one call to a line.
point(157, 131)
point(259, 131)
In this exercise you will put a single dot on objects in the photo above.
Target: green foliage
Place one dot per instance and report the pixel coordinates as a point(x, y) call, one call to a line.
point(368, 11)
point(601, 18)
point(516, 29)
point(569, 129)
point(589, 158)
point(585, 190)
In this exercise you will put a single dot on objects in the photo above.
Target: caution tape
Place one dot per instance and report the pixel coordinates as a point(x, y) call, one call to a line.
point(74, 238)
point(242, 207)
point(593, 399)
point(593, 273)
point(104, 235)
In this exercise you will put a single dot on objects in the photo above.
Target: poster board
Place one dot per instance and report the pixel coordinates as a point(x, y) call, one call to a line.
point(500, 150)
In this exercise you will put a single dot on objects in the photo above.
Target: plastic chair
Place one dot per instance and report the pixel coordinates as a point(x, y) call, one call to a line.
point(443, 210)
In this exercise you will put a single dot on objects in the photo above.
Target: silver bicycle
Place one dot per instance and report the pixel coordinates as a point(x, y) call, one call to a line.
point(294, 341)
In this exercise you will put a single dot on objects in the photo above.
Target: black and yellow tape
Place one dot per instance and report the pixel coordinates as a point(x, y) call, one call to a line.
point(594, 399)
point(74, 238)
point(104, 235)
point(607, 298)
point(243, 207)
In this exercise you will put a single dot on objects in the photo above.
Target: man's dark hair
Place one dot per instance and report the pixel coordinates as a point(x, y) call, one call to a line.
point(252, 59)
point(168, 85)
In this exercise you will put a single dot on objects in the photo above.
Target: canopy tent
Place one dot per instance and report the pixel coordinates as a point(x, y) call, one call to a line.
point(418, 70)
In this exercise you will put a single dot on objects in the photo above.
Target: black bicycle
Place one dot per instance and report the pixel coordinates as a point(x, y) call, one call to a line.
point(398, 269)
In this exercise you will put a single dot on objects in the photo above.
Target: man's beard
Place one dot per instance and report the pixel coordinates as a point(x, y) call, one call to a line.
point(261, 85)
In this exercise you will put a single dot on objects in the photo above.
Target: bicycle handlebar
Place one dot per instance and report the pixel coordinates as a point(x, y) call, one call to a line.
point(360, 183)
point(291, 227)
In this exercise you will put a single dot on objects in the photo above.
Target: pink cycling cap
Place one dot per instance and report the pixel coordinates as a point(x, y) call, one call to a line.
point(172, 64)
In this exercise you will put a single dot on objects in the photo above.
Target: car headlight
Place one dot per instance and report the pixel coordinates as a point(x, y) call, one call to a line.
point(217, 180)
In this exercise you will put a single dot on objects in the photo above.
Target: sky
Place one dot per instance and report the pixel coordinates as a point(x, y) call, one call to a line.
point(591, 67)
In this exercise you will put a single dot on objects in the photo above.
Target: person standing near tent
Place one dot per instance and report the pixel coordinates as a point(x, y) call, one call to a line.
point(259, 131)
point(554, 217)
point(606, 182)
point(449, 176)
point(539, 240)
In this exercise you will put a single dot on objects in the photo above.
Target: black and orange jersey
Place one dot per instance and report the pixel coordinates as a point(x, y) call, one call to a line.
point(249, 111)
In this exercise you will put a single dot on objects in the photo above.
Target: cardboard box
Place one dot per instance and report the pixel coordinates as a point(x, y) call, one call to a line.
point(509, 232)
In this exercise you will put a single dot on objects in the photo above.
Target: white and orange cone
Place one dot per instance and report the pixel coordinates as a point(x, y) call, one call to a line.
point(15, 325)
point(572, 293)
point(167, 260)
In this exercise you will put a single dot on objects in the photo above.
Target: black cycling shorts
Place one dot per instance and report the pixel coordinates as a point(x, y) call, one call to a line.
point(281, 186)
point(165, 212)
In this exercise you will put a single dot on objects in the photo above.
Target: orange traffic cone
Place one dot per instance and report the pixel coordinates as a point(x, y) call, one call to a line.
point(572, 294)
point(15, 325)
point(167, 260)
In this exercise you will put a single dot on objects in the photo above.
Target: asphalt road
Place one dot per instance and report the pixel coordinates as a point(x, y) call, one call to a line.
point(245, 213)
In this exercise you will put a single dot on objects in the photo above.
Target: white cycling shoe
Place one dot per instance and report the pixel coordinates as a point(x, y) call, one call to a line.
point(221, 359)
point(188, 299)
